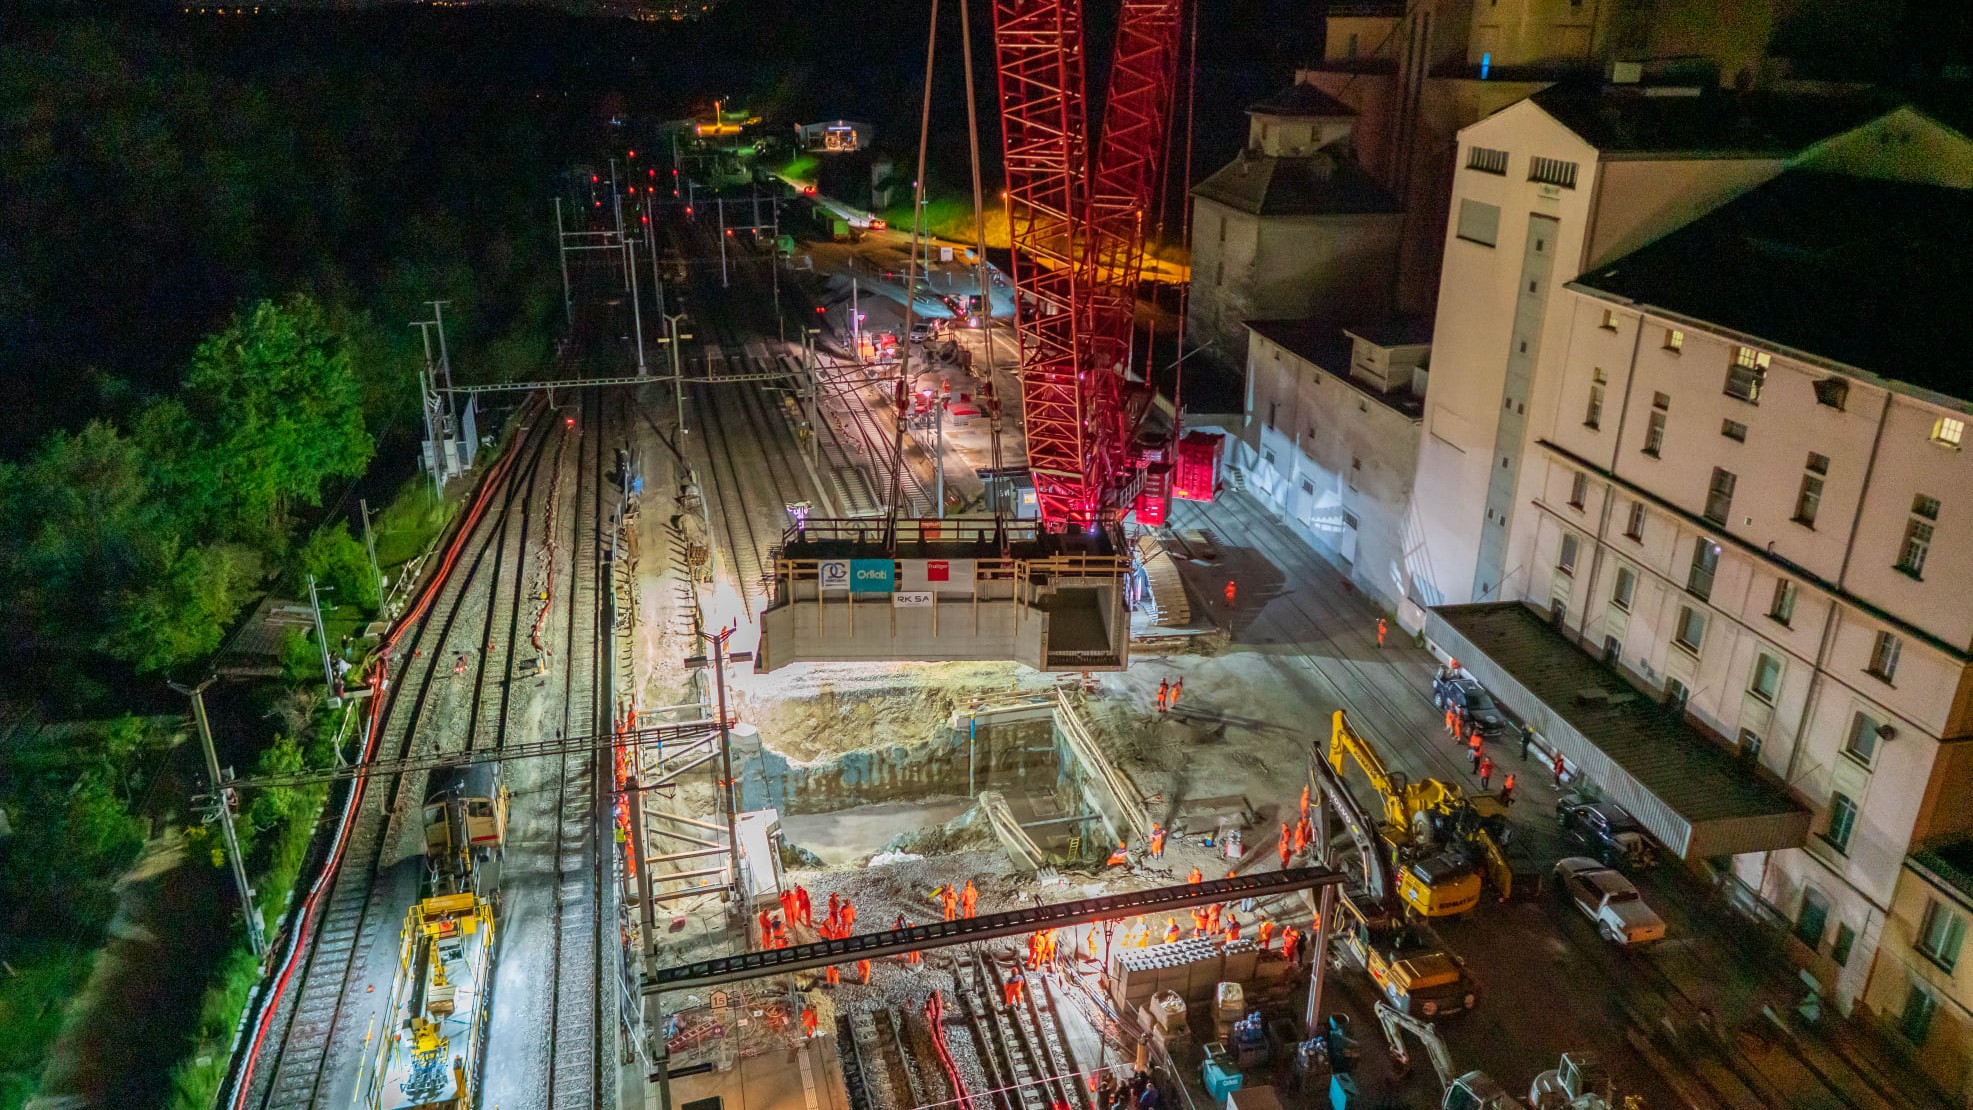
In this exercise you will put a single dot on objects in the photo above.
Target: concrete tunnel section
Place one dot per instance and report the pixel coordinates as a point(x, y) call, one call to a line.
point(947, 591)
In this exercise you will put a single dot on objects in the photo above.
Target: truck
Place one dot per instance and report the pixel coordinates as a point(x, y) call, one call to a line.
point(1607, 898)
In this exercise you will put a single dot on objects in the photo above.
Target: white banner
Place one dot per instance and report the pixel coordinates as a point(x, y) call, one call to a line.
point(918, 599)
point(949, 575)
point(833, 574)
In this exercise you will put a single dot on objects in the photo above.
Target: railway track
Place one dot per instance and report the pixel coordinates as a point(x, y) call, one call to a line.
point(308, 1041)
point(579, 1036)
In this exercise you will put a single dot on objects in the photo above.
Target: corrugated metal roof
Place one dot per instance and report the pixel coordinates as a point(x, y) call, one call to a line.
point(1689, 791)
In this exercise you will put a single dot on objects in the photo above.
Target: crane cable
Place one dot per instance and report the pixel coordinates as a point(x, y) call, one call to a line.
point(1185, 223)
point(986, 294)
point(903, 387)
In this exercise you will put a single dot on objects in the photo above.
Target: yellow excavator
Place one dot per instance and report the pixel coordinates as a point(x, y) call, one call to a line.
point(1440, 840)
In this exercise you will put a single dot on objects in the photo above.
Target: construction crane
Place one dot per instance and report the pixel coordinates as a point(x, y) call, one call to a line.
point(1077, 227)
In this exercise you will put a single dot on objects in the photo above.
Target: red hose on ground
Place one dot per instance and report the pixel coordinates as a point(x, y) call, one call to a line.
point(305, 922)
point(935, 1017)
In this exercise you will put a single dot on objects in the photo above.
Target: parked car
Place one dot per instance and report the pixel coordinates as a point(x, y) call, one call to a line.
point(1462, 693)
point(1607, 831)
point(921, 330)
point(1609, 899)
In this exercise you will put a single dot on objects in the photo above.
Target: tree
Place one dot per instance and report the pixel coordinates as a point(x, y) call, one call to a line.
point(279, 412)
point(341, 564)
point(181, 613)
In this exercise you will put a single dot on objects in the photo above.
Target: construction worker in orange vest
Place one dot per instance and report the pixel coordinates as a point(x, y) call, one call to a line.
point(1381, 629)
point(1157, 841)
point(1304, 801)
point(1287, 846)
point(802, 904)
point(1558, 768)
point(949, 901)
point(1232, 928)
point(1212, 918)
point(863, 971)
point(1266, 933)
point(1291, 944)
point(1231, 590)
point(1198, 875)
point(1304, 834)
point(766, 930)
point(1164, 692)
point(1121, 856)
point(1507, 790)
point(849, 917)
point(1449, 722)
point(1473, 749)
point(1171, 930)
point(1177, 688)
point(969, 898)
point(835, 908)
point(780, 934)
point(1198, 921)
point(808, 1021)
point(831, 976)
point(1089, 942)
point(788, 905)
point(1486, 770)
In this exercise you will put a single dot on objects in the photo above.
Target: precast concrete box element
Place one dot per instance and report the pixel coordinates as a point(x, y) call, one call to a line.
point(944, 590)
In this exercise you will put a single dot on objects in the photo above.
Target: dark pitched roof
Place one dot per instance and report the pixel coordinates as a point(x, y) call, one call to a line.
point(1951, 861)
point(1327, 348)
point(1867, 273)
point(1301, 99)
point(1642, 119)
point(1315, 185)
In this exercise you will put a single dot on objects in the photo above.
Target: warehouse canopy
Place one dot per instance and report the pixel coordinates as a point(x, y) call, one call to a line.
point(1692, 794)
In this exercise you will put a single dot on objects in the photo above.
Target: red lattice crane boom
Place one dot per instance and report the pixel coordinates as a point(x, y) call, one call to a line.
point(1078, 237)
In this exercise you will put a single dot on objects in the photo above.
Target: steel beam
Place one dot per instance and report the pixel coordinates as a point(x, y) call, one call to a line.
point(943, 934)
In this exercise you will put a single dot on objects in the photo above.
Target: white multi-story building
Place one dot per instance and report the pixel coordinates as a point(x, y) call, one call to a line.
point(1746, 487)
point(1330, 438)
point(1554, 186)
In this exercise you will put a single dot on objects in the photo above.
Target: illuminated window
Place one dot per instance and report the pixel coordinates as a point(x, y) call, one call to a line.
point(1609, 320)
point(1947, 431)
point(1747, 374)
point(1674, 339)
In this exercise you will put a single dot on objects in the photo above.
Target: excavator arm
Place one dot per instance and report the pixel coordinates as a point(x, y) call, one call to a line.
point(1345, 744)
point(1395, 1024)
point(1377, 880)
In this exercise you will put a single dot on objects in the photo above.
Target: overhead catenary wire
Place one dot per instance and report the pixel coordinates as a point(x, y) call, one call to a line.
point(980, 266)
point(903, 387)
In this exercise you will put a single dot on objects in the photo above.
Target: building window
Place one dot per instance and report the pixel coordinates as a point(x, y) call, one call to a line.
point(1809, 500)
point(1940, 933)
point(1676, 695)
point(1356, 462)
point(1813, 918)
point(1597, 383)
point(1634, 523)
point(1479, 222)
point(1552, 171)
point(1719, 495)
point(1654, 434)
point(1866, 732)
point(1750, 745)
point(1579, 490)
point(1268, 457)
point(1918, 536)
point(1609, 320)
point(1352, 46)
point(1690, 631)
point(1842, 821)
point(1625, 588)
point(1916, 1021)
point(1846, 939)
point(1222, 229)
point(1705, 562)
point(1745, 376)
point(1219, 273)
point(1661, 401)
point(1734, 430)
point(1566, 563)
point(1834, 392)
point(1766, 684)
point(1947, 431)
point(1674, 339)
point(1273, 410)
point(1884, 656)
point(1485, 160)
point(1782, 608)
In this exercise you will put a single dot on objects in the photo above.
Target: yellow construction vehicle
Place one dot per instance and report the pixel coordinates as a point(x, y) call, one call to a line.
point(1432, 880)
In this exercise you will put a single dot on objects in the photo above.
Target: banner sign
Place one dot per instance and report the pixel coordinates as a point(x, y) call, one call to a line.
point(937, 574)
point(872, 576)
point(833, 574)
point(911, 599)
